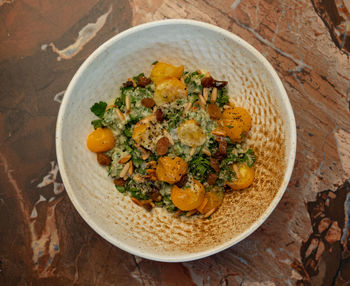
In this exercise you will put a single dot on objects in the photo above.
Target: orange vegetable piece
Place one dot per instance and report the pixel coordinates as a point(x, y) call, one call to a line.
point(100, 140)
point(244, 178)
point(162, 71)
point(189, 198)
point(169, 90)
point(235, 122)
point(170, 169)
point(215, 199)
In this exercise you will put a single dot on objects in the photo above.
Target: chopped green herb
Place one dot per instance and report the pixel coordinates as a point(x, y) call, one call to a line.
point(223, 98)
point(99, 108)
point(200, 167)
point(97, 123)
point(154, 63)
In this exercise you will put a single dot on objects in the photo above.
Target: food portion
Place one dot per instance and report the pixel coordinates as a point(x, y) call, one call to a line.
point(174, 140)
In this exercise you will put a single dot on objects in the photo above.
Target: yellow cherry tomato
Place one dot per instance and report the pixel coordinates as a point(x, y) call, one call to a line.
point(244, 178)
point(235, 122)
point(146, 132)
point(214, 198)
point(162, 71)
point(170, 169)
point(189, 198)
point(191, 134)
point(168, 90)
point(100, 140)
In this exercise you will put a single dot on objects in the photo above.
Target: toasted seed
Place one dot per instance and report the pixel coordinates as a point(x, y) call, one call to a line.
point(103, 159)
point(192, 212)
point(206, 151)
point(209, 213)
point(125, 170)
point(162, 146)
point(119, 182)
point(214, 95)
point(127, 103)
point(148, 102)
point(124, 159)
point(120, 114)
point(205, 94)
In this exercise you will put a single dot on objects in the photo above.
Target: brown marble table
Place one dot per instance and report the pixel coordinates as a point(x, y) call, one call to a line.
point(44, 241)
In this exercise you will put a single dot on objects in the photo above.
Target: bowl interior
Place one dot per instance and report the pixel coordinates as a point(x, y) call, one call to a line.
point(253, 84)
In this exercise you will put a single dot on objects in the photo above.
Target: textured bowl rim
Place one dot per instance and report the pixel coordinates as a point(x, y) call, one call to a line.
point(197, 255)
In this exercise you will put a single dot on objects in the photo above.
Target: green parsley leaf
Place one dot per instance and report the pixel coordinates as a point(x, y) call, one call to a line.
point(99, 108)
point(97, 123)
point(200, 167)
point(223, 98)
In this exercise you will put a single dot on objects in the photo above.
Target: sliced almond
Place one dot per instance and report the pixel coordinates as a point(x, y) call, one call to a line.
point(202, 206)
point(214, 95)
point(110, 106)
point(133, 82)
point(201, 101)
point(120, 115)
point(146, 155)
point(136, 201)
point(124, 171)
point(218, 133)
point(206, 151)
point(231, 103)
point(205, 94)
point(192, 151)
point(178, 212)
point(124, 159)
point(235, 168)
point(227, 107)
point(127, 103)
point(131, 168)
point(209, 213)
point(192, 212)
point(151, 164)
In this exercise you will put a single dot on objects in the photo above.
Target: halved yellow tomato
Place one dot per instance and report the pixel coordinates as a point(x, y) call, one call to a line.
point(244, 177)
point(189, 198)
point(170, 169)
point(169, 90)
point(235, 122)
point(100, 140)
point(191, 134)
point(162, 71)
point(214, 198)
point(146, 131)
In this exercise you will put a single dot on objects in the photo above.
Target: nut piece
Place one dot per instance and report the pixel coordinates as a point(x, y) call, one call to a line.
point(142, 81)
point(119, 182)
point(103, 159)
point(214, 111)
point(162, 146)
point(159, 115)
point(148, 102)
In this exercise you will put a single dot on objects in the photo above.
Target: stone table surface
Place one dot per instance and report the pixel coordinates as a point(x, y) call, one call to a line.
point(44, 241)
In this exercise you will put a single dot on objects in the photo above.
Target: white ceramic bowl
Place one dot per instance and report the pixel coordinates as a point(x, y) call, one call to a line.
point(253, 84)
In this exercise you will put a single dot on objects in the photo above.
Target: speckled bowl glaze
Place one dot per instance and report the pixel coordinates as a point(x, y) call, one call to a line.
point(253, 84)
